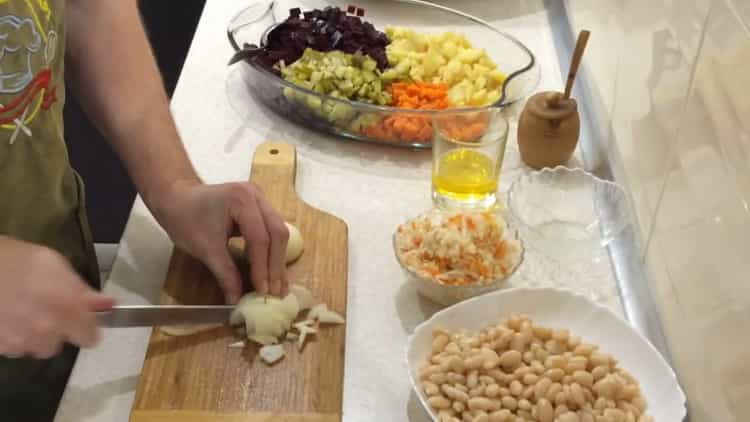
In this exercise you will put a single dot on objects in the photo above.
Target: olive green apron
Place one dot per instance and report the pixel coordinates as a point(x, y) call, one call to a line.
point(41, 197)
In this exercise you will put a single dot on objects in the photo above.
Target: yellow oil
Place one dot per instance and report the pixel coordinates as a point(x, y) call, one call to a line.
point(465, 175)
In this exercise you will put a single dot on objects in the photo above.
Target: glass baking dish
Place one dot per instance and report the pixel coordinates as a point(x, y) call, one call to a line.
point(353, 119)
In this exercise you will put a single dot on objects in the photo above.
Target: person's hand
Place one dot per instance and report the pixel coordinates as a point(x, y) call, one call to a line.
point(43, 302)
point(201, 218)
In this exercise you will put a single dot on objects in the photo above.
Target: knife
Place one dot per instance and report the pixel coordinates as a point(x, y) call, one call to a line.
point(152, 315)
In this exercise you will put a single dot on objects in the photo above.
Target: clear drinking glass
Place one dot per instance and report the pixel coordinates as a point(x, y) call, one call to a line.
point(467, 155)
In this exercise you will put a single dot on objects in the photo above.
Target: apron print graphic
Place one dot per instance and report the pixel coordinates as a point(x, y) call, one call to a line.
point(27, 50)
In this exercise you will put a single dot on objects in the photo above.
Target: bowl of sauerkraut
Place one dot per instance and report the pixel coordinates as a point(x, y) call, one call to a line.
point(454, 256)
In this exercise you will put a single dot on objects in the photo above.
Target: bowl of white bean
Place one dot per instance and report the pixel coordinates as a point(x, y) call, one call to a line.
point(542, 355)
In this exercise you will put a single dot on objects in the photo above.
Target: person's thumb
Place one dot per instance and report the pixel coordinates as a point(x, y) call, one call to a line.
point(98, 302)
point(223, 268)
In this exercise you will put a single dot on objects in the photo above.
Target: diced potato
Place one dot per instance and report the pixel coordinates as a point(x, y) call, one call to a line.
point(449, 58)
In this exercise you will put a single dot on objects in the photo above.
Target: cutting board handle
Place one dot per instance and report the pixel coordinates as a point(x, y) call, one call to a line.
point(275, 164)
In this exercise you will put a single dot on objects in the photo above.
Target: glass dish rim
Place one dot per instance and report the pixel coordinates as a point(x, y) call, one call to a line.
point(232, 29)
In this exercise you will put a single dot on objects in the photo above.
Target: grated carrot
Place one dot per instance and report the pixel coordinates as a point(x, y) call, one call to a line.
point(406, 127)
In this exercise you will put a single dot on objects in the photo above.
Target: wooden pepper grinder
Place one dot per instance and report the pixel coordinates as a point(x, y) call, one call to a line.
point(549, 126)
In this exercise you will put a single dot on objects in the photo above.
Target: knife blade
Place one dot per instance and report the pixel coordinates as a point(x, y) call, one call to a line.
point(152, 315)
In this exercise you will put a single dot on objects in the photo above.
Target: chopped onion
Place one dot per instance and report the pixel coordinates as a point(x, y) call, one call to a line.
point(328, 316)
point(272, 354)
point(237, 345)
point(314, 313)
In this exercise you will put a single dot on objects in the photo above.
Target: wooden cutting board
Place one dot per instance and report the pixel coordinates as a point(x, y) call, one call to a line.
point(197, 378)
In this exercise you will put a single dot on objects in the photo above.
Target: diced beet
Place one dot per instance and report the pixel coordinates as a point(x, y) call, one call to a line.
point(322, 30)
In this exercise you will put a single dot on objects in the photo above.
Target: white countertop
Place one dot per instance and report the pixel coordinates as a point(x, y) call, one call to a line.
point(358, 183)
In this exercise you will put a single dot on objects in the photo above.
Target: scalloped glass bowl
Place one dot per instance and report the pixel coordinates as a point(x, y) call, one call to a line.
point(566, 212)
point(446, 294)
point(350, 118)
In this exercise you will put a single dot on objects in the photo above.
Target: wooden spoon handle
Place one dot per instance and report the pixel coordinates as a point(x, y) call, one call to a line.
point(583, 38)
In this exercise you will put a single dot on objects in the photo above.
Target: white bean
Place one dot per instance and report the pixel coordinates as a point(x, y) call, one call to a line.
point(553, 362)
point(472, 380)
point(561, 398)
point(439, 402)
point(439, 343)
point(553, 390)
point(516, 388)
point(502, 415)
point(438, 378)
point(481, 417)
point(542, 333)
point(486, 379)
point(428, 370)
point(545, 411)
point(491, 359)
point(459, 406)
point(454, 393)
point(576, 393)
point(528, 357)
point(599, 372)
point(430, 388)
point(530, 379)
point(455, 378)
point(524, 415)
point(584, 349)
point(524, 404)
point(510, 360)
point(584, 378)
point(474, 362)
point(476, 392)
point(555, 374)
point(509, 403)
point(554, 346)
point(527, 331)
point(492, 391)
point(514, 322)
point(541, 387)
point(483, 403)
point(615, 414)
point(568, 417)
point(561, 335)
point(517, 343)
point(599, 359)
point(585, 416)
point(452, 348)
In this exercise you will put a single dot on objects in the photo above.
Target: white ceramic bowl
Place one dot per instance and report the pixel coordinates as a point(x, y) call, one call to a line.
point(560, 309)
point(446, 294)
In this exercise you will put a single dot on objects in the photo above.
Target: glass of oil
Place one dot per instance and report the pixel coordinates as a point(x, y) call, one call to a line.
point(467, 154)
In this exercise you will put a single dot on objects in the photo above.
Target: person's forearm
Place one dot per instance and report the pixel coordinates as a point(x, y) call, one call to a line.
point(114, 75)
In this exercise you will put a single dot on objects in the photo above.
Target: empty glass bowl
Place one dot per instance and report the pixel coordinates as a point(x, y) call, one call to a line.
point(567, 213)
